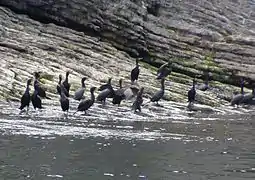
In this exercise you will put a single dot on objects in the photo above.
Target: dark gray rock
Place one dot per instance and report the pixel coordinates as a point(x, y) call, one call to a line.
point(195, 34)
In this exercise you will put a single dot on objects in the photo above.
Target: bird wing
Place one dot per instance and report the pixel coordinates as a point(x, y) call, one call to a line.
point(135, 73)
point(84, 105)
point(247, 97)
point(157, 96)
point(236, 99)
point(25, 100)
point(103, 87)
point(103, 94)
point(41, 92)
point(191, 95)
point(163, 66)
point(79, 93)
point(66, 85)
point(58, 89)
point(119, 92)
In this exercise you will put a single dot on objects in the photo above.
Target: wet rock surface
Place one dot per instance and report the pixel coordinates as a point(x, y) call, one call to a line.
point(107, 36)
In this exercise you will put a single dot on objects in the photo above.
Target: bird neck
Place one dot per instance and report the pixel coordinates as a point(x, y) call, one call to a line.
point(36, 89)
point(242, 92)
point(92, 96)
point(59, 81)
point(83, 84)
point(66, 78)
point(193, 87)
point(27, 88)
point(162, 83)
point(36, 82)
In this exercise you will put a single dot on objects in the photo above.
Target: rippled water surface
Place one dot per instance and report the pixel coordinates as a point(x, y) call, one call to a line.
point(112, 142)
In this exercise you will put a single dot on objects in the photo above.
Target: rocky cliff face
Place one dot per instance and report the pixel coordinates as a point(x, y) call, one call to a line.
point(196, 34)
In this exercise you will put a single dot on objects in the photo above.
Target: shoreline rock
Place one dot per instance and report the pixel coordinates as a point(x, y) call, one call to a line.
point(114, 34)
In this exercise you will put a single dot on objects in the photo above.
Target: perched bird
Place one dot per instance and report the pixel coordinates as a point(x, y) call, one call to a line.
point(78, 95)
point(59, 86)
point(25, 99)
point(237, 99)
point(66, 84)
point(108, 86)
point(106, 93)
point(248, 97)
point(119, 94)
point(138, 101)
point(86, 104)
point(158, 95)
point(164, 70)
point(40, 90)
point(205, 85)
point(192, 93)
point(135, 72)
point(64, 101)
point(36, 100)
point(105, 86)
point(131, 92)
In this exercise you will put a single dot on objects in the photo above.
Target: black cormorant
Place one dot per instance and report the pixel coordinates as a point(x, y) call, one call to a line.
point(192, 93)
point(138, 101)
point(164, 70)
point(158, 95)
point(59, 84)
point(106, 86)
point(86, 104)
point(106, 93)
point(131, 92)
point(119, 94)
point(25, 99)
point(36, 100)
point(237, 99)
point(64, 101)
point(135, 72)
point(248, 97)
point(40, 90)
point(205, 85)
point(66, 84)
point(78, 95)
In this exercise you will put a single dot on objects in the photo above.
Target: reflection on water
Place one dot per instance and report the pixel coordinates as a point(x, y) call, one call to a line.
point(114, 143)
